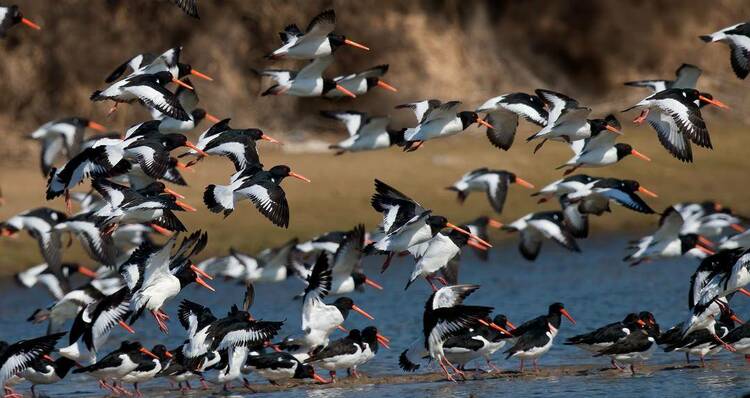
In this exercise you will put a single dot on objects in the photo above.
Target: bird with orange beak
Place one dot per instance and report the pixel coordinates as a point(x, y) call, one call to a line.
point(12, 16)
point(306, 82)
point(437, 120)
point(494, 183)
point(147, 89)
point(62, 136)
point(536, 336)
point(362, 82)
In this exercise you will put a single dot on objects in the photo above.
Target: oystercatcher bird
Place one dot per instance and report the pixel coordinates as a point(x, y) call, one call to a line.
point(11, 16)
point(188, 99)
point(704, 315)
point(343, 353)
point(279, 367)
point(346, 274)
point(478, 227)
point(17, 357)
point(270, 265)
point(40, 224)
point(230, 142)
point(148, 367)
point(365, 133)
point(260, 187)
point(361, 82)
point(116, 364)
point(317, 41)
point(564, 186)
point(719, 275)
point(99, 247)
point(437, 120)
point(686, 76)
point(600, 149)
point(503, 112)
point(737, 37)
point(46, 371)
point(328, 242)
point(494, 183)
point(306, 82)
point(149, 89)
point(62, 136)
point(606, 335)
point(636, 347)
point(676, 116)
point(594, 198)
point(196, 319)
point(536, 226)
point(147, 63)
point(479, 342)
point(536, 336)
point(702, 342)
point(42, 274)
point(739, 338)
point(405, 222)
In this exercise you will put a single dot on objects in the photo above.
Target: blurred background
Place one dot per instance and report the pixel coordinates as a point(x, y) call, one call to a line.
point(451, 50)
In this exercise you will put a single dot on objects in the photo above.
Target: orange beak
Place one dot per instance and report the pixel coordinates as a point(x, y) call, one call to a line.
point(520, 181)
point(465, 232)
point(87, 271)
point(299, 176)
point(735, 318)
point(567, 315)
point(96, 126)
point(201, 272)
point(744, 291)
point(168, 354)
point(320, 379)
point(738, 228)
point(183, 84)
point(203, 283)
point(386, 86)
point(161, 230)
point(147, 352)
point(484, 123)
point(495, 224)
point(195, 148)
point(183, 166)
point(647, 192)
point(30, 24)
point(494, 326)
point(383, 340)
point(510, 325)
point(343, 329)
point(639, 155)
point(270, 139)
point(372, 283)
point(211, 118)
point(185, 206)
point(355, 44)
point(362, 312)
point(47, 357)
point(173, 193)
point(705, 250)
point(7, 232)
point(201, 75)
point(640, 322)
point(476, 245)
point(714, 102)
point(345, 91)
point(126, 327)
point(705, 242)
point(612, 129)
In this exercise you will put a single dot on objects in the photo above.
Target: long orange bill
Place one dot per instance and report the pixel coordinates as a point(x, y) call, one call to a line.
point(495, 224)
point(201, 75)
point(270, 139)
point(705, 241)
point(363, 313)
point(300, 176)
point(705, 250)
point(640, 322)
point(173, 193)
point(494, 326)
point(195, 148)
point(465, 232)
point(85, 271)
point(343, 329)
point(168, 354)
point(201, 272)
point(386, 86)
point(738, 228)
point(183, 84)
point(484, 123)
point(639, 155)
point(612, 129)
point(476, 245)
point(520, 181)
point(320, 379)
point(211, 118)
point(380, 336)
point(47, 357)
point(185, 206)
point(510, 325)
point(372, 283)
point(355, 44)
point(382, 341)
point(567, 315)
point(714, 102)
point(203, 283)
point(735, 318)
point(744, 291)
point(30, 24)
point(345, 91)
point(647, 192)
point(96, 126)
point(126, 326)
point(161, 230)
point(147, 352)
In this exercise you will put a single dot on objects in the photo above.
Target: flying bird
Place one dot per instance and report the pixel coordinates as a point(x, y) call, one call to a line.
point(737, 37)
point(317, 41)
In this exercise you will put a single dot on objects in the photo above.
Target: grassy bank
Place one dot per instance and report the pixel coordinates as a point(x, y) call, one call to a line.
point(338, 196)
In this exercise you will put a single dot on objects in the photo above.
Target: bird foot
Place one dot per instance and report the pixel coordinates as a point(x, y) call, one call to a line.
point(641, 118)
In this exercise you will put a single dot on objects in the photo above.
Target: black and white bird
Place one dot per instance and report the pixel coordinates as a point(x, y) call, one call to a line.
point(42, 274)
point(62, 136)
point(280, 367)
point(739, 338)
point(342, 353)
point(16, 357)
point(261, 187)
point(365, 133)
point(503, 112)
point(46, 371)
point(595, 197)
point(676, 116)
point(563, 187)
point(606, 335)
point(189, 102)
point(318, 40)
point(737, 37)
point(479, 227)
point(637, 347)
point(11, 16)
point(40, 224)
point(148, 367)
point(361, 82)
point(148, 63)
point(534, 227)
point(479, 342)
point(437, 120)
point(346, 269)
point(116, 364)
point(306, 82)
point(536, 336)
point(494, 183)
point(686, 76)
point(147, 88)
point(702, 342)
point(236, 144)
point(269, 266)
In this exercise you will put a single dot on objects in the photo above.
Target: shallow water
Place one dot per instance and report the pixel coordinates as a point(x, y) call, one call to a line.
point(595, 286)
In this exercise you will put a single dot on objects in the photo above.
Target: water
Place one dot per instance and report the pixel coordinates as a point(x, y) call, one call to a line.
point(595, 286)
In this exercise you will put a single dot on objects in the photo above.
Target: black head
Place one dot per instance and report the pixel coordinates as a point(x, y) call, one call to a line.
point(436, 223)
point(14, 13)
point(78, 122)
point(355, 335)
point(173, 141)
point(163, 77)
point(556, 308)
point(304, 371)
point(688, 241)
point(630, 319)
point(647, 317)
point(183, 70)
point(153, 189)
point(344, 304)
point(336, 41)
point(161, 351)
point(727, 318)
point(370, 336)
point(501, 320)
point(623, 150)
point(468, 118)
point(198, 115)
point(130, 346)
point(459, 239)
point(359, 278)
point(279, 172)
point(629, 185)
point(372, 82)
point(255, 134)
point(396, 136)
point(328, 85)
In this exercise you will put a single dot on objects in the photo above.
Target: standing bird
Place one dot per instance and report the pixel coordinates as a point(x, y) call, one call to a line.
point(607, 335)
point(11, 16)
point(536, 226)
point(148, 367)
point(535, 337)
point(46, 371)
point(361, 82)
point(279, 367)
point(475, 343)
point(317, 41)
point(737, 37)
point(365, 133)
point(307, 82)
point(686, 76)
point(676, 116)
point(503, 112)
point(494, 183)
point(636, 347)
point(343, 353)
point(17, 357)
point(148, 88)
point(437, 120)
point(116, 364)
